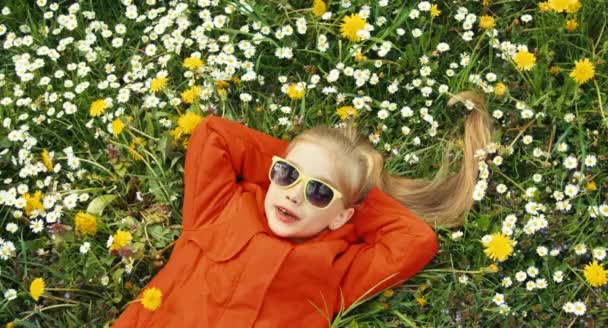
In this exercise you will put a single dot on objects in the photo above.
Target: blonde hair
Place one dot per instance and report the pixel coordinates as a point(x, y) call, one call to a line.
point(441, 201)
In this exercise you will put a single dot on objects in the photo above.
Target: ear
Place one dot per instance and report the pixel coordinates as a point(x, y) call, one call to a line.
point(341, 218)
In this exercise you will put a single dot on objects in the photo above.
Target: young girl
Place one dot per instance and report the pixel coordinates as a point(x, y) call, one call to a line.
point(279, 234)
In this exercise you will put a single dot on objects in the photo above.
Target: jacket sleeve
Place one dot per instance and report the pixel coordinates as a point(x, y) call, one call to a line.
point(220, 151)
point(396, 241)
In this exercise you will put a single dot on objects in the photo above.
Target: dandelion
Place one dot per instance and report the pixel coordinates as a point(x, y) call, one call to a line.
point(421, 300)
point(295, 91)
point(158, 84)
point(37, 288)
point(500, 89)
point(560, 5)
point(524, 60)
point(435, 10)
point(193, 63)
point(595, 274)
point(191, 95)
point(85, 223)
point(544, 6)
point(319, 8)
point(120, 239)
point(574, 6)
point(32, 202)
point(188, 122)
point(117, 126)
point(571, 25)
point(98, 107)
point(500, 247)
point(583, 71)
point(486, 22)
point(152, 298)
point(345, 111)
point(351, 25)
point(47, 160)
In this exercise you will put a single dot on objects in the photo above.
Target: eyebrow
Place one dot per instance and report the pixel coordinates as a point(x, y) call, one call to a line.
point(323, 178)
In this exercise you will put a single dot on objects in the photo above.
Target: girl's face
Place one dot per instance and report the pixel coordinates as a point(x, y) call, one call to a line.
point(315, 162)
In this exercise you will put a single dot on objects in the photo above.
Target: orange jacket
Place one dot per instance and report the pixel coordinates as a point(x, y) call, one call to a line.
point(227, 269)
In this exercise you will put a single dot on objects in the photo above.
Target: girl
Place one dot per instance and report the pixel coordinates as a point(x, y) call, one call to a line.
point(279, 234)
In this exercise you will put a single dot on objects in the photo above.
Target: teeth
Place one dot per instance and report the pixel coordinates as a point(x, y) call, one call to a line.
point(284, 212)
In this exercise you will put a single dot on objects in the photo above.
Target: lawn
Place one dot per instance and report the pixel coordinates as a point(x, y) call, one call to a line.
point(99, 97)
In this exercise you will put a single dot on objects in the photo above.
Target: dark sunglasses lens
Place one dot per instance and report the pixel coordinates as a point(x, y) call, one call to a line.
point(319, 194)
point(283, 174)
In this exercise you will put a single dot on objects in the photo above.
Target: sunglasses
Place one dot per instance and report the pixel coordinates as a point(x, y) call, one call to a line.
point(286, 175)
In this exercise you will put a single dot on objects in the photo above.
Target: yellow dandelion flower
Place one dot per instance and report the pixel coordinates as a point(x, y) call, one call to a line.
point(117, 126)
point(560, 5)
point(583, 71)
point(487, 22)
point(193, 63)
point(485, 3)
point(500, 89)
point(544, 6)
point(347, 111)
point(138, 141)
point(295, 91)
point(158, 84)
point(120, 239)
point(574, 7)
point(222, 93)
point(591, 186)
point(435, 10)
point(388, 293)
point(222, 84)
point(191, 95)
point(236, 80)
point(319, 8)
point(176, 133)
point(421, 300)
point(571, 25)
point(188, 122)
point(98, 107)
point(47, 160)
point(595, 274)
point(524, 60)
point(500, 247)
point(85, 223)
point(37, 288)
point(32, 203)
point(10, 325)
point(359, 57)
point(491, 268)
point(152, 298)
point(351, 25)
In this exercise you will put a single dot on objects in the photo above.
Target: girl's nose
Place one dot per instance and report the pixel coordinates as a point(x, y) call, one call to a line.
point(294, 194)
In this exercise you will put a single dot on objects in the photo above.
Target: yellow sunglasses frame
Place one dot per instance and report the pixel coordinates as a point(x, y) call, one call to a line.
point(305, 178)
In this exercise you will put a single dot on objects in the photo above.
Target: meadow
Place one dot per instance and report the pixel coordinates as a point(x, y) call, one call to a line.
point(99, 97)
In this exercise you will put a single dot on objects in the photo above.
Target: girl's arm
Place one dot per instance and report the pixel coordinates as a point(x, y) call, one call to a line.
point(219, 151)
point(395, 241)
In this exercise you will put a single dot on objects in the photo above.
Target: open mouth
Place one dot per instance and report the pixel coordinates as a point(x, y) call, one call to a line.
point(286, 215)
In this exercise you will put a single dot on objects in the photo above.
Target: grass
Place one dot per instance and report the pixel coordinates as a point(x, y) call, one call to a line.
point(133, 180)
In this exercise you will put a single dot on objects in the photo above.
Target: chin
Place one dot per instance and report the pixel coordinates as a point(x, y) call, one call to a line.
point(280, 229)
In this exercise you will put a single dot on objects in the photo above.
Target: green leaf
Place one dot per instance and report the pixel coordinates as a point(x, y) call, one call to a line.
point(117, 275)
point(484, 222)
point(97, 205)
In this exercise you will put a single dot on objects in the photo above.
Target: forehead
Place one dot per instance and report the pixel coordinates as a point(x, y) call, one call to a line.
point(314, 161)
